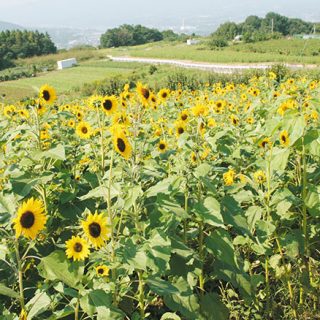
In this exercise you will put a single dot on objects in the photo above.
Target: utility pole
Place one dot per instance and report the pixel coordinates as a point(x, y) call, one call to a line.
point(272, 25)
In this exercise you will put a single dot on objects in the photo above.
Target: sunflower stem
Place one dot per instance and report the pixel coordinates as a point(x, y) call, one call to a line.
point(113, 271)
point(101, 143)
point(20, 276)
point(141, 295)
point(38, 127)
point(76, 310)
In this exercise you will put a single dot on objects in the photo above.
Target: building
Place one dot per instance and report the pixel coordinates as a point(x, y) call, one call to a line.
point(68, 63)
point(191, 42)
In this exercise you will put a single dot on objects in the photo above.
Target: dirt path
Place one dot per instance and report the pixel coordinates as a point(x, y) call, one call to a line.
point(215, 67)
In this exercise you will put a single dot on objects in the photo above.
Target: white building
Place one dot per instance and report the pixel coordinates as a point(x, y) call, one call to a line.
point(191, 42)
point(68, 63)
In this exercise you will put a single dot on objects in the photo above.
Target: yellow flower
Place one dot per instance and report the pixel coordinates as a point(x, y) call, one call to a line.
point(234, 120)
point(121, 143)
point(265, 143)
point(84, 130)
point(162, 146)
point(47, 94)
point(77, 248)
point(164, 94)
point(102, 271)
point(284, 138)
point(109, 104)
point(259, 177)
point(96, 229)
point(228, 177)
point(180, 127)
point(30, 219)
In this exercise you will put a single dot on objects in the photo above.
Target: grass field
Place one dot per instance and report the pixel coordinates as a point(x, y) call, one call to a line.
point(65, 80)
point(93, 65)
point(284, 51)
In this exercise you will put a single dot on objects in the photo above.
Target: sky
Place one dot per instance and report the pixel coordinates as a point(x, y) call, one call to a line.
point(102, 14)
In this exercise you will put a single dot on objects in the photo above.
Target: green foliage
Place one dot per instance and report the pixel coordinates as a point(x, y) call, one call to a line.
point(255, 29)
point(128, 35)
point(21, 44)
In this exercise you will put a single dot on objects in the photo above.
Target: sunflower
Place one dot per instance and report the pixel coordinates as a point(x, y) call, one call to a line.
point(234, 120)
point(164, 94)
point(228, 177)
point(184, 115)
point(143, 92)
point(30, 219)
point(47, 94)
point(265, 142)
point(41, 109)
point(8, 111)
point(77, 248)
point(23, 315)
point(121, 119)
point(180, 127)
point(102, 271)
point(259, 177)
point(109, 104)
point(162, 146)
point(96, 229)
point(84, 130)
point(24, 113)
point(71, 123)
point(284, 138)
point(121, 143)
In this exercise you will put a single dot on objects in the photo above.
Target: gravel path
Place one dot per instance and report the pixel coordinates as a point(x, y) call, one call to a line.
point(215, 67)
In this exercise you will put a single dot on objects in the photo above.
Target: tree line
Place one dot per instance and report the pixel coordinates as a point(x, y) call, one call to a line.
point(255, 28)
point(132, 35)
point(22, 44)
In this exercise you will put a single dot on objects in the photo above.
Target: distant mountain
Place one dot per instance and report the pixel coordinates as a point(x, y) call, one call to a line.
point(9, 26)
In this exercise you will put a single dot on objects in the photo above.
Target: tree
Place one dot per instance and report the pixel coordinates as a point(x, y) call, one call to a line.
point(226, 31)
point(128, 35)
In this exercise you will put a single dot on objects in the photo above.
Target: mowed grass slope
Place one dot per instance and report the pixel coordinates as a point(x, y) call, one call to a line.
point(282, 50)
point(65, 80)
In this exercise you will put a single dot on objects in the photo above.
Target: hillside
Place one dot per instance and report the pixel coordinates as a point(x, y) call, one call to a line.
point(9, 26)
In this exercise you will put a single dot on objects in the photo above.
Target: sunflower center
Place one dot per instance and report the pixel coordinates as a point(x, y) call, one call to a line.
point(46, 95)
point(264, 143)
point(27, 219)
point(164, 95)
point(283, 138)
point(162, 146)
point(84, 130)
point(107, 104)
point(95, 229)
point(180, 130)
point(145, 92)
point(77, 247)
point(184, 117)
point(121, 145)
point(100, 271)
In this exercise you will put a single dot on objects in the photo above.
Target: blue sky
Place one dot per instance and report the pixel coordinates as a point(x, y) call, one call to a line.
point(109, 13)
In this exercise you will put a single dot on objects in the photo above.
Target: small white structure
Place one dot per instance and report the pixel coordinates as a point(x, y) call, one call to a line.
point(191, 42)
point(68, 63)
point(238, 38)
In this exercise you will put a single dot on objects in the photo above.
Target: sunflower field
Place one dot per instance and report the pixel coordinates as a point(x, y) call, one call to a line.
point(174, 204)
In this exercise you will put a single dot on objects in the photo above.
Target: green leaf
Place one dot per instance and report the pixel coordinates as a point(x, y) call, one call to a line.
point(170, 316)
point(39, 303)
point(56, 266)
point(161, 287)
point(7, 204)
point(313, 200)
point(220, 245)
point(184, 301)
point(57, 153)
point(212, 308)
point(202, 170)
point(134, 256)
point(101, 192)
point(279, 159)
point(5, 291)
point(209, 212)
point(253, 215)
point(165, 186)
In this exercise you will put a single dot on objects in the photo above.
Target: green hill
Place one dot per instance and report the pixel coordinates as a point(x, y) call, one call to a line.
point(9, 26)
